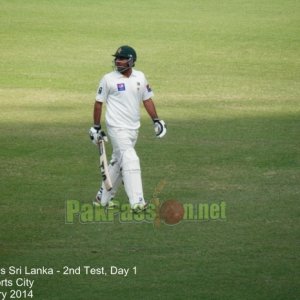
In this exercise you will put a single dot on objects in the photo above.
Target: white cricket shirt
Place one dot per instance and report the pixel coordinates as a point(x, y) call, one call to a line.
point(123, 97)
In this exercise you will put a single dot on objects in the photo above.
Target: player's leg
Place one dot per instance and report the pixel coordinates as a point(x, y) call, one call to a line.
point(123, 142)
point(103, 196)
point(118, 142)
point(116, 179)
point(132, 178)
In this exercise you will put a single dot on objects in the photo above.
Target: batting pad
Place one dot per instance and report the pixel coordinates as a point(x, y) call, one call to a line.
point(131, 171)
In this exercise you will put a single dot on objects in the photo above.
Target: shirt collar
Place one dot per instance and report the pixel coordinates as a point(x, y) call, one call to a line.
point(120, 75)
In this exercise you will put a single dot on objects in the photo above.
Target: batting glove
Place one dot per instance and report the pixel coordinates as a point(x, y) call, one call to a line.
point(96, 134)
point(160, 128)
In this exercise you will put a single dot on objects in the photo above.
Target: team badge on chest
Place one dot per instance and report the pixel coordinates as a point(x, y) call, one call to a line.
point(121, 87)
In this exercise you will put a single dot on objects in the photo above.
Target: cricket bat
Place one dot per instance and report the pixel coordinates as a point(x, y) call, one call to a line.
point(104, 166)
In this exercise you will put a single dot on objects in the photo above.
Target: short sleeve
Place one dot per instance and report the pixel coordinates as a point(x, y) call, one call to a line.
point(101, 95)
point(147, 92)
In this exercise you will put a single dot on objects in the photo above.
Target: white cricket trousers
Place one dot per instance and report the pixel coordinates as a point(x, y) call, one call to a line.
point(124, 165)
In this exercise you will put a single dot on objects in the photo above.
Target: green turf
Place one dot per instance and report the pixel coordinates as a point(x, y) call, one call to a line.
point(226, 78)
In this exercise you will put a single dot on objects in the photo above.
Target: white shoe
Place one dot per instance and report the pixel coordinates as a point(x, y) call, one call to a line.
point(138, 208)
point(110, 205)
point(97, 201)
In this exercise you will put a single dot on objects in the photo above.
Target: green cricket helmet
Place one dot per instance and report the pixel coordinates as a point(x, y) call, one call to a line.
point(126, 52)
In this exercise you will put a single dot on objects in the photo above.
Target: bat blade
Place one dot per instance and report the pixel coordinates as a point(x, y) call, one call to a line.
point(104, 166)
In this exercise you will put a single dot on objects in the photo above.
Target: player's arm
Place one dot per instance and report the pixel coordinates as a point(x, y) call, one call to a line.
point(160, 126)
point(101, 95)
point(150, 108)
point(97, 113)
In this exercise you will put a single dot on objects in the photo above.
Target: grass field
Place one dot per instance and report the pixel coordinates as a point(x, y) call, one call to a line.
point(226, 80)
